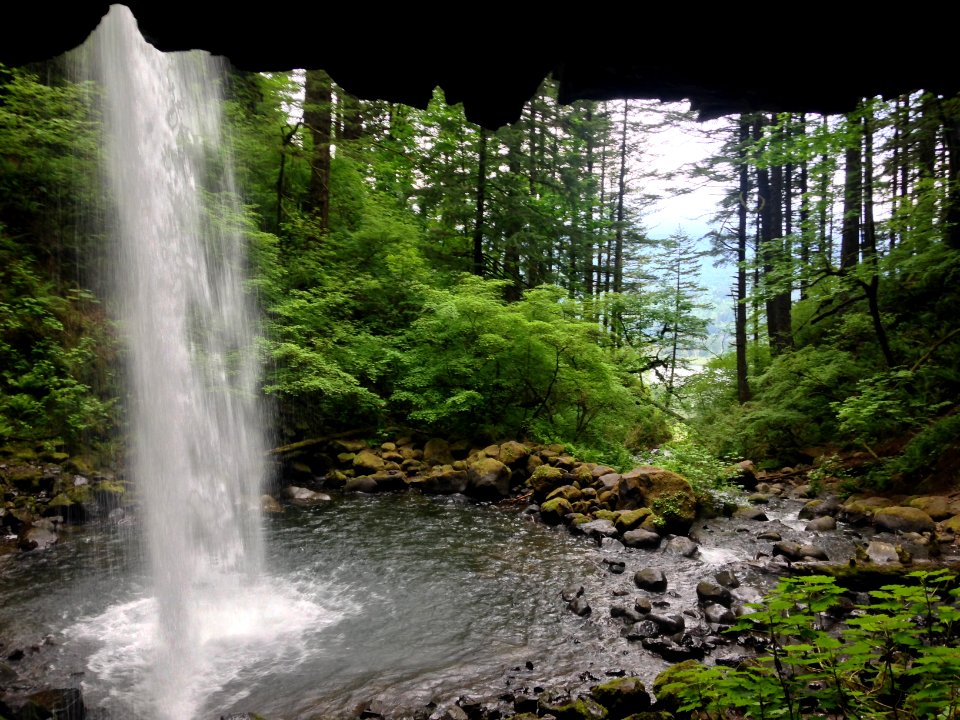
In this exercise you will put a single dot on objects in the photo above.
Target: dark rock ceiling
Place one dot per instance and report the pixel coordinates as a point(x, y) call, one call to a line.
point(723, 59)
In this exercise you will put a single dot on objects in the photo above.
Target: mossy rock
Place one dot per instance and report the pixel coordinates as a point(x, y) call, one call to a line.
point(346, 458)
point(367, 462)
point(952, 525)
point(650, 715)
point(567, 492)
point(553, 511)
point(544, 479)
point(60, 501)
point(622, 696)
point(513, 453)
point(584, 708)
point(903, 519)
point(631, 519)
point(668, 494)
point(610, 515)
point(24, 477)
point(80, 466)
point(936, 506)
point(667, 699)
point(56, 457)
point(110, 487)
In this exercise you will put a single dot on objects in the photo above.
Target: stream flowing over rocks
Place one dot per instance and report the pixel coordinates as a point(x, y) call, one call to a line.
point(437, 580)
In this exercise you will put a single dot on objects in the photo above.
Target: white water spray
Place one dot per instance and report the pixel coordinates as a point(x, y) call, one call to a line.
point(197, 448)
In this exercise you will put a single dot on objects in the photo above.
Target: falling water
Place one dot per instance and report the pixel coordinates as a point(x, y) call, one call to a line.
point(197, 445)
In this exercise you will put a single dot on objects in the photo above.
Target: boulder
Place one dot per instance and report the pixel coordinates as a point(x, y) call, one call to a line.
point(750, 513)
point(270, 505)
point(364, 484)
point(367, 462)
point(860, 511)
point(442, 480)
point(59, 703)
point(642, 539)
point(567, 708)
point(631, 519)
point(681, 545)
point(437, 452)
point(903, 519)
point(952, 525)
point(796, 551)
point(727, 578)
point(302, 496)
point(598, 529)
point(544, 479)
point(673, 651)
point(936, 506)
point(881, 552)
point(758, 498)
point(552, 512)
point(744, 474)
point(821, 524)
point(651, 579)
point(567, 492)
point(608, 481)
point(622, 696)
point(669, 495)
point(37, 538)
point(669, 700)
point(579, 606)
point(668, 624)
point(642, 629)
point(711, 593)
point(719, 615)
point(513, 454)
point(818, 507)
point(488, 478)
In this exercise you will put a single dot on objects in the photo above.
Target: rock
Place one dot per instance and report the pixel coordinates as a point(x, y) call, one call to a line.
point(936, 506)
point(544, 479)
point(952, 525)
point(796, 551)
point(566, 708)
point(680, 545)
point(364, 483)
point(750, 513)
point(758, 498)
point(552, 512)
point(744, 474)
point(335, 479)
point(821, 524)
point(881, 552)
point(861, 511)
point(59, 704)
point(719, 615)
point(641, 539)
point(803, 492)
point(437, 452)
point(668, 624)
point(617, 567)
point(37, 538)
point(642, 605)
point(675, 652)
point(571, 592)
point(488, 479)
point(903, 519)
point(709, 592)
point(769, 535)
point(304, 497)
point(670, 699)
point(642, 629)
point(608, 481)
point(727, 578)
point(567, 492)
point(390, 479)
point(442, 480)
point(622, 696)
point(367, 462)
point(269, 504)
point(599, 529)
point(631, 519)
point(651, 579)
point(669, 495)
point(513, 454)
point(579, 606)
point(818, 507)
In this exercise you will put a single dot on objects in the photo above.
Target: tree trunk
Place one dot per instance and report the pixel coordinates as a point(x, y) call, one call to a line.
point(740, 324)
point(478, 223)
point(852, 201)
point(317, 109)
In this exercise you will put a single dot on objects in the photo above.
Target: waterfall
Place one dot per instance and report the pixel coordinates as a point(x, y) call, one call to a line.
point(197, 448)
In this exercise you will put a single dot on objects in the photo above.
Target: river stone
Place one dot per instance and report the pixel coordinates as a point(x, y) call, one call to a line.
point(860, 511)
point(674, 652)
point(367, 462)
point(513, 453)
point(769, 535)
point(709, 592)
point(364, 484)
point(583, 708)
point(567, 492)
point(617, 567)
point(442, 480)
point(668, 624)
point(795, 551)
point(488, 479)
point(571, 592)
point(641, 539)
point(643, 605)
point(680, 545)
point(270, 505)
point(727, 578)
point(642, 629)
point(718, 614)
point(599, 529)
point(758, 498)
point(651, 579)
point(669, 495)
point(744, 474)
point(303, 496)
point(936, 506)
point(37, 538)
point(631, 519)
point(334, 479)
point(622, 696)
point(552, 512)
point(579, 606)
point(903, 519)
point(544, 479)
point(668, 699)
point(821, 524)
point(881, 552)
point(750, 513)
point(952, 525)
point(818, 507)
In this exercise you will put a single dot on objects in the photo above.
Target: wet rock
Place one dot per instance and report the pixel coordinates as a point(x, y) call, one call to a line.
point(631, 519)
point(675, 652)
point(488, 479)
point(584, 708)
point(727, 578)
point(680, 545)
point(744, 474)
point(668, 624)
point(709, 592)
point(643, 605)
point(609, 544)
point(719, 615)
point(796, 551)
point(552, 512)
point(7, 676)
point(881, 552)
point(651, 579)
point(622, 696)
point(567, 492)
point(300, 496)
point(669, 700)
point(580, 606)
point(769, 535)
point(803, 492)
point(860, 511)
point(242, 716)
point(758, 498)
point(903, 519)
point(59, 704)
point(436, 451)
point(513, 454)
point(571, 592)
point(616, 567)
point(952, 525)
point(37, 538)
point(599, 529)
point(821, 524)
point(442, 480)
point(641, 539)
point(750, 513)
point(364, 484)
point(270, 505)
point(544, 479)
point(819, 507)
point(642, 629)
point(453, 712)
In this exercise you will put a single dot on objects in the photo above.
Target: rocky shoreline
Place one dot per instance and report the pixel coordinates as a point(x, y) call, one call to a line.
point(680, 565)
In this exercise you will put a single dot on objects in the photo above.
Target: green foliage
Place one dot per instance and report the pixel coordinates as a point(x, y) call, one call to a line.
point(893, 657)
